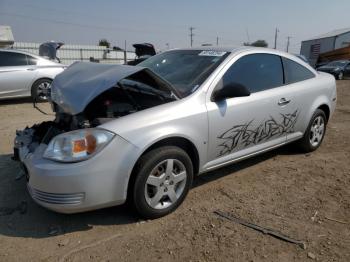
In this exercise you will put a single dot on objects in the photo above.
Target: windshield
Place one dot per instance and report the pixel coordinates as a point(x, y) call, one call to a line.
point(337, 63)
point(186, 70)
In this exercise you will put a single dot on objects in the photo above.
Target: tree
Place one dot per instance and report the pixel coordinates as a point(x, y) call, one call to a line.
point(257, 43)
point(104, 42)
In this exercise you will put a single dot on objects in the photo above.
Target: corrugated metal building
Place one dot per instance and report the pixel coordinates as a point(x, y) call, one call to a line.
point(70, 53)
point(311, 48)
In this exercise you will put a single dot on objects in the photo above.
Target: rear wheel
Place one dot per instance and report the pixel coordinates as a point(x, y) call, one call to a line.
point(163, 178)
point(340, 76)
point(315, 132)
point(41, 89)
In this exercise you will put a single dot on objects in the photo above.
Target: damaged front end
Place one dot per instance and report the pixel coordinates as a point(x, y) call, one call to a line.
point(87, 95)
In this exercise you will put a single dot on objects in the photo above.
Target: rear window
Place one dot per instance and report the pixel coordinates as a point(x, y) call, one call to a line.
point(12, 59)
point(31, 60)
point(295, 72)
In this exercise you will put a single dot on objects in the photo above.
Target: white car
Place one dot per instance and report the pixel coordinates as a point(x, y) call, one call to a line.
point(143, 132)
point(23, 74)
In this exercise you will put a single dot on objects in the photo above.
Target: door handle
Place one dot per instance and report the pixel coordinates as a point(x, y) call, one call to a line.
point(30, 69)
point(283, 101)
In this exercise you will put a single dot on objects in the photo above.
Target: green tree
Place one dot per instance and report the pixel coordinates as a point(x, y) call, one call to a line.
point(257, 43)
point(104, 42)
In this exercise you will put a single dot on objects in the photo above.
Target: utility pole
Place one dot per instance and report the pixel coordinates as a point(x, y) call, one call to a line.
point(191, 35)
point(288, 38)
point(217, 41)
point(276, 32)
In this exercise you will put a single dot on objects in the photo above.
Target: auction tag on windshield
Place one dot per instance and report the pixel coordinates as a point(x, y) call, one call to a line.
point(211, 53)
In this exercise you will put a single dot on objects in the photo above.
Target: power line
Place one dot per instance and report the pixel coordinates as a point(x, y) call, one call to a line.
point(114, 28)
point(75, 13)
point(191, 35)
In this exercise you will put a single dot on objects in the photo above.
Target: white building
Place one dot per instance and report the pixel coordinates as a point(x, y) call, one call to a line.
point(330, 41)
point(6, 36)
point(71, 53)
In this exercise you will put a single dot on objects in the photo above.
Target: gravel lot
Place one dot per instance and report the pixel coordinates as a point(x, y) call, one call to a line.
point(282, 190)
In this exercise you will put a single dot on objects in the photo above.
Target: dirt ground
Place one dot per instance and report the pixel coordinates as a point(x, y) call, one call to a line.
point(294, 193)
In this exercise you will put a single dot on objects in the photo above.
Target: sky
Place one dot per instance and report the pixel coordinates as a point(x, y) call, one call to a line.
point(166, 23)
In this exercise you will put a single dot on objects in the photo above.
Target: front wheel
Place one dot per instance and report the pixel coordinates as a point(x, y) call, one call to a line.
point(315, 132)
point(163, 178)
point(340, 75)
point(41, 89)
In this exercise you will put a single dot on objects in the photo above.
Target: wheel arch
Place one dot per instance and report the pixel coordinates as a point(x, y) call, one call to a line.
point(39, 79)
point(322, 102)
point(325, 108)
point(35, 82)
point(179, 141)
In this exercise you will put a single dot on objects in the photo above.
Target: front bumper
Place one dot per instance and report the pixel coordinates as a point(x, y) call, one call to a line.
point(98, 182)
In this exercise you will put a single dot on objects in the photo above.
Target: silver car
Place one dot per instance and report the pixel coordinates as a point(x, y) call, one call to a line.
point(23, 74)
point(142, 133)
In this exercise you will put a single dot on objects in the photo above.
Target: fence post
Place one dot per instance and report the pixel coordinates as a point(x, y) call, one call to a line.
point(125, 58)
point(81, 54)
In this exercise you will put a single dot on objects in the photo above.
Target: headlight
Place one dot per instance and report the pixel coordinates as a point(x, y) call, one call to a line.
point(336, 69)
point(77, 145)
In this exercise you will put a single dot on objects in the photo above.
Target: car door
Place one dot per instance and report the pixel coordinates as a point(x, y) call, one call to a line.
point(242, 126)
point(300, 88)
point(15, 74)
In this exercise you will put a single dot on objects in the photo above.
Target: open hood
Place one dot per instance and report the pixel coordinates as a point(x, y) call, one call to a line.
point(144, 49)
point(80, 83)
point(49, 49)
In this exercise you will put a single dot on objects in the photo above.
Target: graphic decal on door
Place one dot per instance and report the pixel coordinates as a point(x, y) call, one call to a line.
point(247, 134)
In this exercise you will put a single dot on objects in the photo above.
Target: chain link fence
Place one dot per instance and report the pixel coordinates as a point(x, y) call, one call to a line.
point(71, 53)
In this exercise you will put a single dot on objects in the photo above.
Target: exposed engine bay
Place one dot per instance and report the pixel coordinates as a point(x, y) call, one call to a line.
point(139, 91)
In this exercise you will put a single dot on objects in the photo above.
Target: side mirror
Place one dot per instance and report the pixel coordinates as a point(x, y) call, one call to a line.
point(228, 91)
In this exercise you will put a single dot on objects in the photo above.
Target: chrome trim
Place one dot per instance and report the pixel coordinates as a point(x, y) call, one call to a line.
point(245, 156)
point(55, 198)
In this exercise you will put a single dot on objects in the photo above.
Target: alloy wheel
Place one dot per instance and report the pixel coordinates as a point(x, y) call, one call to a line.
point(43, 90)
point(317, 131)
point(165, 184)
point(340, 76)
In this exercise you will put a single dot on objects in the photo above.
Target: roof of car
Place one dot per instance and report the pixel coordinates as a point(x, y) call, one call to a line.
point(219, 48)
point(234, 50)
point(17, 51)
point(238, 49)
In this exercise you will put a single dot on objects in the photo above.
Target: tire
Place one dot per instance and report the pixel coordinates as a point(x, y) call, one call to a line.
point(340, 76)
point(157, 190)
point(315, 132)
point(41, 89)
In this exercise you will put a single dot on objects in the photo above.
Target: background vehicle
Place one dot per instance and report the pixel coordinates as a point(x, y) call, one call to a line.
point(142, 51)
point(23, 74)
point(49, 50)
point(142, 133)
point(339, 69)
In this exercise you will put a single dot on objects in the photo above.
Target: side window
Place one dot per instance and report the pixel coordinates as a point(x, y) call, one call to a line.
point(31, 60)
point(258, 72)
point(12, 59)
point(295, 72)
